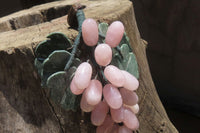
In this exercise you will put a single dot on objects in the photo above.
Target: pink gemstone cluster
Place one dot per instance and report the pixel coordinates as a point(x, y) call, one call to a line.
point(116, 102)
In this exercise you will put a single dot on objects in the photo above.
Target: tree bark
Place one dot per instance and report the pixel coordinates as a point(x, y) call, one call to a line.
point(24, 107)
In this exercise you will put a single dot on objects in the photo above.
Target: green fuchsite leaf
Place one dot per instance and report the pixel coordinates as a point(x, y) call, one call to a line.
point(128, 62)
point(69, 100)
point(58, 84)
point(54, 63)
point(125, 40)
point(55, 41)
point(103, 27)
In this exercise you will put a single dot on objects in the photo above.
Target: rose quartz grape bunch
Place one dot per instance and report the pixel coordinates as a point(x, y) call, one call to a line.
point(114, 105)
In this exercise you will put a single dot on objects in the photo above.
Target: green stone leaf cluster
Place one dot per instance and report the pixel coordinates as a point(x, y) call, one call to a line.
point(51, 57)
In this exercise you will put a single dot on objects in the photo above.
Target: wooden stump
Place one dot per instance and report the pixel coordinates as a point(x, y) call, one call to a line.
point(24, 107)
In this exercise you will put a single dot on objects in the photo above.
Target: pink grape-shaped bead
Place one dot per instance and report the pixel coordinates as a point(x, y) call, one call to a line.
point(124, 129)
point(114, 75)
point(134, 108)
point(117, 114)
point(112, 96)
point(114, 34)
point(99, 113)
point(103, 54)
point(106, 126)
point(74, 89)
point(115, 128)
point(93, 92)
point(84, 105)
point(83, 75)
point(128, 97)
point(130, 119)
point(131, 83)
point(90, 32)
point(112, 128)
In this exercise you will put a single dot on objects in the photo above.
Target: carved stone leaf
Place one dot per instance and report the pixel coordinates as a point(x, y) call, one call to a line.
point(132, 66)
point(59, 86)
point(55, 41)
point(54, 63)
point(69, 100)
point(56, 83)
point(128, 62)
point(103, 27)
point(125, 40)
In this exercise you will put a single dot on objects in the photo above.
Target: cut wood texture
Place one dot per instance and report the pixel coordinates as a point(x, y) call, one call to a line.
point(24, 107)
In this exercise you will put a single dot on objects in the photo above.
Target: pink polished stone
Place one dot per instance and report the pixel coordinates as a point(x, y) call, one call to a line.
point(124, 129)
point(103, 54)
point(84, 105)
point(114, 128)
point(83, 75)
point(93, 92)
point(90, 32)
point(128, 97)
point(117, 114)
point(112, 96)
point(106, 126)
point(135, 108)
point(114, 34)
point(131, 83)
point(114, 75)
point(99, 113)
point(130, 119)
point(74, 89)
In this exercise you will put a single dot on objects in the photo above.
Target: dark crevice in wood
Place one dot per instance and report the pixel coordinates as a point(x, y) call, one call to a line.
point(46, 16)
point(53, 110)
point(12, 23)
point(53, 13)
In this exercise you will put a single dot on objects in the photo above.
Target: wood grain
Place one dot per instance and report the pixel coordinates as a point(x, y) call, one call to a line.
point(24, 106)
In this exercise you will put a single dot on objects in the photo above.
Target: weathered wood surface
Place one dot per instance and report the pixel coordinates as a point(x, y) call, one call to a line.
point(24, 108)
